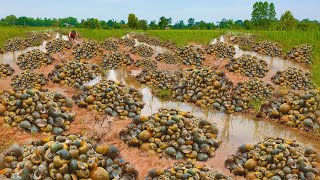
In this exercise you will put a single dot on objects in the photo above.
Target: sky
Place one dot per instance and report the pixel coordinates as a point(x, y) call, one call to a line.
point(207, 10)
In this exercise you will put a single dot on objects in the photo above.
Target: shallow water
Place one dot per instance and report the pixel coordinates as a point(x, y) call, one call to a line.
point(234, 129)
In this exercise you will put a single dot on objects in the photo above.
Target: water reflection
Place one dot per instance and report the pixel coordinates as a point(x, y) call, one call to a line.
point(234, 129)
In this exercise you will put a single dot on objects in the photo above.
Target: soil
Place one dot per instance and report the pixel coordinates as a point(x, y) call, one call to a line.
point(104, 128)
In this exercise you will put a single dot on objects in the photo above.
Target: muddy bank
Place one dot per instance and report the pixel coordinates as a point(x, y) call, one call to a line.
point(235, 129)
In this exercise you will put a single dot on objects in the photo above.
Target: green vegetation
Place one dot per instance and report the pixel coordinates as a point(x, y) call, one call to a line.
point(289, 39)
point(256, 104)
point(162, 93)
point(12, 31)
point(183, 37)
point(101, 34)
point(263, 17)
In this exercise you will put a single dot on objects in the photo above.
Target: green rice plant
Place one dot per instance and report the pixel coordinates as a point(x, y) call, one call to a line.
point(162, 93)
point(289, 39)
point(8, 32)
point(183, 37)
point(256, 104)
point(101, 34)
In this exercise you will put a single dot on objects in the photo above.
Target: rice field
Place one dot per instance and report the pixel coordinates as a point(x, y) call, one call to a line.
point(11, 32)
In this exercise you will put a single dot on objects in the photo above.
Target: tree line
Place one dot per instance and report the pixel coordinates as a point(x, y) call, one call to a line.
point(263, 17)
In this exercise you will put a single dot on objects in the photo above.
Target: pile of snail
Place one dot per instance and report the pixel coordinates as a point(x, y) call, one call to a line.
point(110, 44)
point(147, 39)
point(36, 111)
point(65, 157)
point(190, 55)
point(301, 54)
point(143, 51)
point(168, 57)
point(173, 133)
point(245, 94)
point(146, 63)
point(28, 80)
point(268, 48)
point(57, 45)
point(36, 38)
point(186, 170)
point(170, 45)
point(161, 79)
point(16, 43)
point(248, 65)
point(294, 78)
point(34, 59)
point(86, 50)
point(127, 42)
point(116, 60)
point(221, 50)
point(5, 70)
point(74, 73)
point(274, 158)
point(245, 42)
point(205, 87)
point(294, 109)
point(112, 98)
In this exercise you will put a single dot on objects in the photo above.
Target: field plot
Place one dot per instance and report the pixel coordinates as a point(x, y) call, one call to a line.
point(130, 104)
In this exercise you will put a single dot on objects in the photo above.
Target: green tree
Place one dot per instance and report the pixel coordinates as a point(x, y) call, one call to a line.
point(164, 22)
point(191, 22)
point(247, 24)
point(287, 21)
point(153, 25)
point(263, 14)
point(179, 25)
point(143, 24)
point(132, 21)
point(272, 12)
point(10, 20)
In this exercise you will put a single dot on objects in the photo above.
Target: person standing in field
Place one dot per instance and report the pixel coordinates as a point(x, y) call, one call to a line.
point(72, 35)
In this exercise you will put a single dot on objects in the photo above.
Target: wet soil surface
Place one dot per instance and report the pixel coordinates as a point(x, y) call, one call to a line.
point(235, 129)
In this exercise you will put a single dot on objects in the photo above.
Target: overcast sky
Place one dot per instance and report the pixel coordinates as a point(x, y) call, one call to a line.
point(207, 10)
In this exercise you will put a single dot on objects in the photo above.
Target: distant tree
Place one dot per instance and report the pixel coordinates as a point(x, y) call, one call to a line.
point(287, 21)
point(224, 23)
point(191, 22)
point(263, 14)
point(10, 20)
point(104, 24)
point(272, 12)
point(143, 24)
point(132, 21)
point(153, 25)
point(179, 25)
point(247, 24)
point(306, 24)
point(164, 22)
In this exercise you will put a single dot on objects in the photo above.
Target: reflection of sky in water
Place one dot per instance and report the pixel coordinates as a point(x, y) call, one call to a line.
point(11, 57)
point(234, 129)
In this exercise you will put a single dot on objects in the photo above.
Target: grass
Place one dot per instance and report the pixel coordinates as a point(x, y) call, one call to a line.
point(256, 104)
point(101, 34)
point(162, 93)
point(289, 39)
point(183, 37)
point(11, 32)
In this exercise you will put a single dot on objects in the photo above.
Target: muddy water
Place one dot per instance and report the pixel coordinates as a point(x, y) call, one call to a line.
point(234, 129)
point(11, 57)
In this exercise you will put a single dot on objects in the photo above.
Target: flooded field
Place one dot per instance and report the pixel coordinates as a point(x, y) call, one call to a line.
point(234, 129)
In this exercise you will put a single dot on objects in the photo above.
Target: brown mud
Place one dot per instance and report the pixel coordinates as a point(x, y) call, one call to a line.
point(235, 129)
